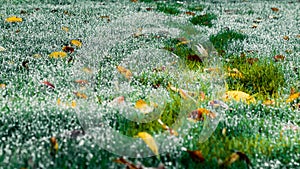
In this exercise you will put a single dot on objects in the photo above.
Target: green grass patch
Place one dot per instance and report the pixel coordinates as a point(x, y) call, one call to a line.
point(263, 77)
point(205, 20)
point(223, 38)
point(171, 8)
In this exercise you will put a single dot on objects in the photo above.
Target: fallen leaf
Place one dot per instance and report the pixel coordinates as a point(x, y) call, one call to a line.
point(195, 58)
point(286, 38)
point(289, 51)
point(58, 101)
point(81, 95)
point(184, 93)
point(165, 127)
point(275, 9)
point(68, 49)
point(149, 140)
point(182, 43)
point(233, 158)
point(224, 132)
point(254, 25)
point(13, 19)
point(2, 86)
point(73, 104)
point(87, 70)
point(251, 60)
point(134, 0)
point(58, 54)
point(54, 145)
point(127, 73)
point(117, 101)
point(218, 103)
point(125, 162)
point(2, 49)
point(148, 9)
point(211, 69)
point(76, 43)
point(64, 28)
point(279, 58)
point(142, 106)
point(269, 102)
point(50, 85)
point(235, 73)
point(82, 82)
point(258, 20)
point(198, 114)
point(37, 55)
point(298, 36)
point(292, 91)
point(244, 157)
point(239, 96)
point(201, 50)
point(196, 156)
point(293, 97)
point(190, 13)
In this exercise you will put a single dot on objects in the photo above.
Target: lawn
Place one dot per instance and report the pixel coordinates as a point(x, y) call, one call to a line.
point(149, 84)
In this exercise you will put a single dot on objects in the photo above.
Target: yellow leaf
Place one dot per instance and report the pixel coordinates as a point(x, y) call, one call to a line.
point(58, 101)
point(87, 70)
point(239, 96)
point(2, 49)
point(149, 140)
point(235, 73)
point(13, 19)
point(143, 107)
point(64, 28)
point(125, 72)
point(37, 55)
point(293, 97)
point(58, 54)
point(76, 43)
point(73, 104)
point(81, 95)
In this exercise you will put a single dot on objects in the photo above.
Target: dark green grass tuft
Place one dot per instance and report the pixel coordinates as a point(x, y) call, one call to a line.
point(264, 77)
point(223, 38)
point(205, 19)
point(171, 9)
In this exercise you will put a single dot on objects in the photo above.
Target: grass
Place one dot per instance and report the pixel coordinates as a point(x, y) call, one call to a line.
point(31, 113)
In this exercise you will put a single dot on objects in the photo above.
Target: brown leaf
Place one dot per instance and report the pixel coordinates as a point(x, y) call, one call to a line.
point(286, 38)
point(54, 145)
point(68, 49)
point(81, 95)
point(134, 0)
point(148, 9)
point(125, 162)
point(275, 9)
point(251, 60)
point(198, 114)
point(25, 64)
point(244, 157)
point(194, 57)
point(279, 58)
point(254, 25)
point(125, 72)
point(50, 85)
point(196, 156)
point(292, 91)
point(190, 13)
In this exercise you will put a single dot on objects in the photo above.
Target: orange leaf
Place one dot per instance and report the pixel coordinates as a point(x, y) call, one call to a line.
point(2, 86)
point(293, 97)
point(127, 73)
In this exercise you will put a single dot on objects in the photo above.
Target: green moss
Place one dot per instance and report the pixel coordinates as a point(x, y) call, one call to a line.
point(264, 77)
point(223, 38)
point(205, 19)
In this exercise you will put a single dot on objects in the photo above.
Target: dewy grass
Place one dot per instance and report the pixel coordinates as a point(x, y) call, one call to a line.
point(223, 38)
point(205, 20)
